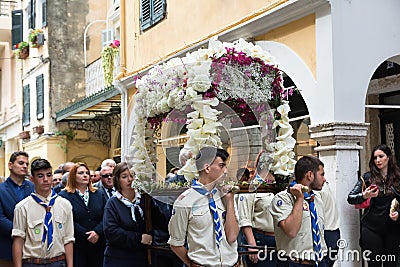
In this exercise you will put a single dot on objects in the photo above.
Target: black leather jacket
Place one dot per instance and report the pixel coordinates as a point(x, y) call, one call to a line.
point(355, 195)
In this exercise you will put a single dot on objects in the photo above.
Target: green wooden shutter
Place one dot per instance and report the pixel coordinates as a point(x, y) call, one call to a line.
point(32, 14)
point(26, 116)
point(16, 31)
point(158, 11)
point(44, 13)
point(40, 97)
point(145, 14)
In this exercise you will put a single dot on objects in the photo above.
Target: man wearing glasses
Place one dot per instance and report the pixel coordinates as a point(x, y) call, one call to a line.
point(106, 183)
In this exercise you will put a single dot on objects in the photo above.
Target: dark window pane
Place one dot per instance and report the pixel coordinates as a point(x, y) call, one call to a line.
point(40, 97)
point(16, 31)
point(26, 116)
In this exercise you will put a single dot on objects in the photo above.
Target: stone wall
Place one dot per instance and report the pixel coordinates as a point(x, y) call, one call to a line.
point(66, 24)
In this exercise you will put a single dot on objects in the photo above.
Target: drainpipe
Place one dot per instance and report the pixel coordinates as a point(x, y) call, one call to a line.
point(124, 117)
point(122, 50)
point(122, 88)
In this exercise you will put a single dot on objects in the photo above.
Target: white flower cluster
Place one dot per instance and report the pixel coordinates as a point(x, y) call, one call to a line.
point(174, 85)
point(281, 151)
point(203, 130)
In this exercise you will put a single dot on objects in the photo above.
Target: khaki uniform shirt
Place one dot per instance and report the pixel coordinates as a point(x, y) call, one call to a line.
point(330, 209)
point(29, 224)
point(254, 211)
point(192, 221)
point(301, 246)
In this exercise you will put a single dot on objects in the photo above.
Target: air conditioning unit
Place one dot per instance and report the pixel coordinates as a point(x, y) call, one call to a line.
point(81, 135)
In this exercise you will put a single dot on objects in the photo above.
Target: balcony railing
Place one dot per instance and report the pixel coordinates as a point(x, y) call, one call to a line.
point(95, 78)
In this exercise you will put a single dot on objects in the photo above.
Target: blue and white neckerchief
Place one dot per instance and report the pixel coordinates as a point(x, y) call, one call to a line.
point(48, 222)
point(132, 205)
point(213, 207)
point(259, 179)
point(84, 196)
point(309, 197)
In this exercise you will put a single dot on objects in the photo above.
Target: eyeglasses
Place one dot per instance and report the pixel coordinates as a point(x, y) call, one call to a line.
point(92, 175)
point(109, 175)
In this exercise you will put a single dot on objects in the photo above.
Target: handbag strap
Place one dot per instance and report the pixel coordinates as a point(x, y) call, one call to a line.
point(363, 187)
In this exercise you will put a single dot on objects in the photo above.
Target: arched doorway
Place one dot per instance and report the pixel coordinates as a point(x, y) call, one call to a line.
point(383, 107)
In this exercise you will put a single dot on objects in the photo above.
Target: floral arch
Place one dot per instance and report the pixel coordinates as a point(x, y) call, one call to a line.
point(238, 80)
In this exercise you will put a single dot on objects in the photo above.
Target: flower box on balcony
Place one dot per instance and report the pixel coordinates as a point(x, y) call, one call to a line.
point(22, 50)
point(36, 37)
point(24, 53)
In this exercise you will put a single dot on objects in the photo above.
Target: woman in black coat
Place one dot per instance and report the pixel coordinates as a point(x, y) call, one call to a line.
point(124, 225)
point(379, 229)
point(88, 208)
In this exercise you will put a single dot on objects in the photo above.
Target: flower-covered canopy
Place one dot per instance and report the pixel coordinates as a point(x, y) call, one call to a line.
point(198, 89)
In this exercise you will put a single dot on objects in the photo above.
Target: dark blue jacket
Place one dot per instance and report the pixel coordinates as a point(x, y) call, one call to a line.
point(8, 200)
point(87, 218)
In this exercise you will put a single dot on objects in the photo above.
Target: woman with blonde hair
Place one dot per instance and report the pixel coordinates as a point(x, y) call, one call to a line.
point(87, 207)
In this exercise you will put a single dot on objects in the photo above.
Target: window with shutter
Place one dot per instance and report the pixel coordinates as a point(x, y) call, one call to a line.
point(44, 13)
point(26, 115)
point(151, 12)
point(158, 11)
point(107, 36)
point(16, 31)
point(31, 14)
point(40, 97)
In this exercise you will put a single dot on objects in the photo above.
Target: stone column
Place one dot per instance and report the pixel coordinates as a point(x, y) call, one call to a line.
point(339, 151)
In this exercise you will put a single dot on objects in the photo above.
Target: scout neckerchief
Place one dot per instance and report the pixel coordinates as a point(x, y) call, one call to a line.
point(259, 179)
point(309, 197)
point(48, 222)
point(132, 205)
point(213, 207)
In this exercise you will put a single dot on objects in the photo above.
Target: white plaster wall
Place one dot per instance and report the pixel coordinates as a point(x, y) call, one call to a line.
point(318, 94)
point(365, 33)
point(289, 62)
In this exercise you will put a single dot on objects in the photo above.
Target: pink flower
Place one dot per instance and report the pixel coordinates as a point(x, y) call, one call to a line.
point(115, 43)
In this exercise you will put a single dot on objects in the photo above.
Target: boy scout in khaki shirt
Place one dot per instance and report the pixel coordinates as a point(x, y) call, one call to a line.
point(292, 217)
point(192, 216)
point(256, 221)
point(34, 244)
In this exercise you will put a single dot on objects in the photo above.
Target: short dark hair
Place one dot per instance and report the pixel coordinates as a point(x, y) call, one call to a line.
point(39, 164)
point(207, 155)
point(15, 154)
point(57, 171)
point(306, 164)
point(119, 168)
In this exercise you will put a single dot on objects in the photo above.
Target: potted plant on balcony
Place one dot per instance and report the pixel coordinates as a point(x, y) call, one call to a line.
point(33, 37)
point(107, 62)
point(22, 50)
